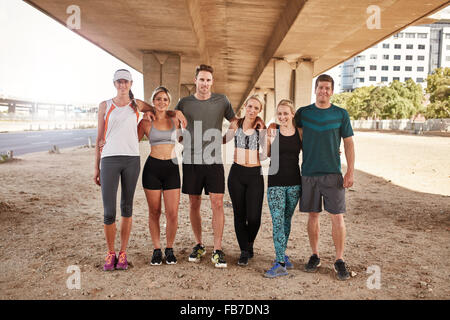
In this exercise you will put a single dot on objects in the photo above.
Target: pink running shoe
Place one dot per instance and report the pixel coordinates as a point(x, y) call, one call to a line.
point(110, 261)
point(123, 263)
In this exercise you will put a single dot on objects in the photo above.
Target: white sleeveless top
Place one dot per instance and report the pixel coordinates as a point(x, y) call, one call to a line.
point(120, 135)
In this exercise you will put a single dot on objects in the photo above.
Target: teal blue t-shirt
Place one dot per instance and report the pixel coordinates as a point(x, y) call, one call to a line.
point(322, 133)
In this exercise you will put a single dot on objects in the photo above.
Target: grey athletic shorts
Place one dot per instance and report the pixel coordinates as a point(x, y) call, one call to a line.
point(329, 188)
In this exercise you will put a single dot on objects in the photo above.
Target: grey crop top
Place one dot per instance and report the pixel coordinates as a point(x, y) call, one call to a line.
point(162, 136)
point(241, 140)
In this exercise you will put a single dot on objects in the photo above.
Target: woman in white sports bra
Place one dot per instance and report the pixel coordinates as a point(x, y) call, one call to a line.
point(117, 160)
point(161, 174)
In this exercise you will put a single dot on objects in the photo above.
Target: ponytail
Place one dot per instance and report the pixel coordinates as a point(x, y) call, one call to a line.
point(133, 101)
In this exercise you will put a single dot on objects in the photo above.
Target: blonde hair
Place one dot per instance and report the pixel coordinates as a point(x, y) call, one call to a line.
point(256, 97)
point(288, 103)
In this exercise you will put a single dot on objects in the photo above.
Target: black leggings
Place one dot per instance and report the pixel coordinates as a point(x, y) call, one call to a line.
point(246, 188)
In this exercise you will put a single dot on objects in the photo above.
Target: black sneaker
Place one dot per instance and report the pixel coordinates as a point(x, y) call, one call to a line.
point(156, 258)
point(313, 263)
point(170, 257)
point(243, 259)
point(218, 258)
point(197, 252)
point(341, 270)
point(250, 250)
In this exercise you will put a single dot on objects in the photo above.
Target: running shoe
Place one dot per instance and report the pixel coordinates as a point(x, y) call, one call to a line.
point(288, 263)
point(170, 257)
point(243, 259)
point(341, 270)
point(123, 263)
point(218, 258)
point(313, 263)
point(197, 253)
point(110, 261)
point(156, 257)
point(276, 271)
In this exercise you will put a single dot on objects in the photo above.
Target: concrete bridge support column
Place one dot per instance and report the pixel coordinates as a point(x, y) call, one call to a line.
point(282, 80)
point(270, 113)
point(303, 83)
point(162, 69)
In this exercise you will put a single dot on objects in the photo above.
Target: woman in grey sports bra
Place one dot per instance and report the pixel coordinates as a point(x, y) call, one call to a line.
point(161, 174)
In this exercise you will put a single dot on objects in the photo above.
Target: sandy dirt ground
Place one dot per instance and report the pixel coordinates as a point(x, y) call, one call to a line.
point(398, 222)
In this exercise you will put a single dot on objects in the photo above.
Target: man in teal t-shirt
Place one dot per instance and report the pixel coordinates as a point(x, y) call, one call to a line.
point(323, 126)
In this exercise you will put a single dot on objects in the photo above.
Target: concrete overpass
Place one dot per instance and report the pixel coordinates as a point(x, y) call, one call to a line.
point(275, 47)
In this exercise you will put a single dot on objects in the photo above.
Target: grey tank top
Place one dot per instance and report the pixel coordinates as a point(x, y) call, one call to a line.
point(162, 136)
point(241, 140)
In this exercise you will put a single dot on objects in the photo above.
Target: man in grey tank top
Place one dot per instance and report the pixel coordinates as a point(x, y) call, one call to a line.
point(202, 158)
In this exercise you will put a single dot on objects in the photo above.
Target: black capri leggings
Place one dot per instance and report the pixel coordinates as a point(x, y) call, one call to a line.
point(112, 170)
point(246, 188)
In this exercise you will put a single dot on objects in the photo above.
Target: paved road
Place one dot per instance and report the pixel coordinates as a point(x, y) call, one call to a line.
point(35, 141)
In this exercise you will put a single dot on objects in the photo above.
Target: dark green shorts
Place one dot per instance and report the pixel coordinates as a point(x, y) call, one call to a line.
point(328, 188)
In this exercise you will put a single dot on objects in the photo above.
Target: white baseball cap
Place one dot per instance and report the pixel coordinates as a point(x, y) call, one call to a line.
point(122, 74)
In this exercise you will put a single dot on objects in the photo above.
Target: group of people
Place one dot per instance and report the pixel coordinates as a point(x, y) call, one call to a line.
point(197, 123)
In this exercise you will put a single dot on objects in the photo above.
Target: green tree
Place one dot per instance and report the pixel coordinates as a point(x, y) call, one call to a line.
point(438, 87)
point(357, 104)
point(399, 100)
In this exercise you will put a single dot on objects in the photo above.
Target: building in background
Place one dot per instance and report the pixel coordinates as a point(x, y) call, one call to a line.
point(411, 54)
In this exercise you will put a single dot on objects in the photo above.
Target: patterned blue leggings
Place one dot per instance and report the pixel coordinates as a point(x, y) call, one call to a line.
point(282, 203)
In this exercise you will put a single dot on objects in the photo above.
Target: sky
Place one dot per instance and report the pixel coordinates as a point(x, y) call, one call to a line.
point(43, 60)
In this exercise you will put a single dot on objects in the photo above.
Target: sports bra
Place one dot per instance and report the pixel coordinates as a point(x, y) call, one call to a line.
point(250, 142)
point(162, 136)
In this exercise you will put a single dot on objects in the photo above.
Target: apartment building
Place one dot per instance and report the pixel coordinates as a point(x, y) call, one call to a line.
point(445, 48)
point(411, 54)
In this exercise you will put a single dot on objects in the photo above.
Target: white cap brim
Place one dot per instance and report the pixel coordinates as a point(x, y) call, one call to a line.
point(122, 74)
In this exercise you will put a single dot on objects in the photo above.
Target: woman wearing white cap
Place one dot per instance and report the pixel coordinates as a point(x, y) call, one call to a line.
point(118, 159)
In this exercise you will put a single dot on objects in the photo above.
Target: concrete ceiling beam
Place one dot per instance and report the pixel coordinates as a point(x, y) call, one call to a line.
point(193, 7)
point(285, 22)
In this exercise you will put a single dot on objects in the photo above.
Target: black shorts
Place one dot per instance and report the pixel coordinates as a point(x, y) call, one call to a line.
point(199, 176)
point(161, 174)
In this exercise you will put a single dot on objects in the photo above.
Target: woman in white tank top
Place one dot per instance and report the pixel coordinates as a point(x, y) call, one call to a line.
point(117, 160)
